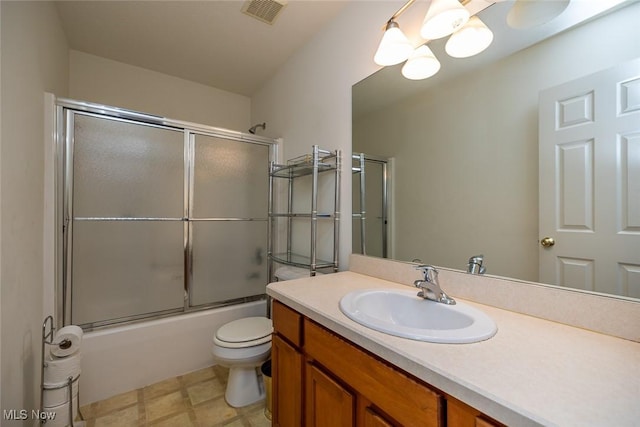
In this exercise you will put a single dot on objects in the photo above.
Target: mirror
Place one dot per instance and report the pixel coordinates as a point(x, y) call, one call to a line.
point(463, 145)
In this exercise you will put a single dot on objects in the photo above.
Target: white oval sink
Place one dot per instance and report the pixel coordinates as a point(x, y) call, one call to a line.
point(404, 314)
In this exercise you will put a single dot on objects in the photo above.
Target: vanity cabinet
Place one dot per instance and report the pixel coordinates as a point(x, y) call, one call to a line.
point(287, 364)
point(321, 379)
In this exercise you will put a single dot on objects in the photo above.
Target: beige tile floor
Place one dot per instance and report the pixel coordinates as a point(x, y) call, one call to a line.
point(195, 399)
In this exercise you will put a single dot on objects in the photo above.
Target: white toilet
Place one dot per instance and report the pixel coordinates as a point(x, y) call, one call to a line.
point(242, 346)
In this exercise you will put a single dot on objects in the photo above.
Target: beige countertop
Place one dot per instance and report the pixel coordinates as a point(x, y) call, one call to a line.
point(532, 372)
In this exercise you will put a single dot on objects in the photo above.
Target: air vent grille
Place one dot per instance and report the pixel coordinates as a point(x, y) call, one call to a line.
point(264, 10)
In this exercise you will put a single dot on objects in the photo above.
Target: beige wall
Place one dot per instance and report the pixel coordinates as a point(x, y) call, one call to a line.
point(103, 81)
point(34, 61)
point(466, 177)
point(309, 100)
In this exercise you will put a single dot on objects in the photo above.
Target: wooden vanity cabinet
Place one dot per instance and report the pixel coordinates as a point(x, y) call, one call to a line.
point(287, 365)
point(322, 380)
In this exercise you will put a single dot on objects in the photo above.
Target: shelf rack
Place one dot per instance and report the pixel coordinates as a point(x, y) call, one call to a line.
point(48, 335)
point(320, 161)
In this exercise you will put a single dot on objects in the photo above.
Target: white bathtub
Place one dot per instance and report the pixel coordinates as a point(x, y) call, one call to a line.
point(125, 358)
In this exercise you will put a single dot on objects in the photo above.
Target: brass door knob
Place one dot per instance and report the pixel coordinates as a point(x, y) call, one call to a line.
point(547, 242)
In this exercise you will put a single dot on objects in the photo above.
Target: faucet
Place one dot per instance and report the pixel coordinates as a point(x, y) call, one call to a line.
point(474, 265)
point(430, 288)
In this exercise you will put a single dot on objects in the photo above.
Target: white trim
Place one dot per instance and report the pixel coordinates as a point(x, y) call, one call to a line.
point(49, 217)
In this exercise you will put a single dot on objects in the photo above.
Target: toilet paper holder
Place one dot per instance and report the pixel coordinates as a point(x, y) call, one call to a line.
point(48, 335)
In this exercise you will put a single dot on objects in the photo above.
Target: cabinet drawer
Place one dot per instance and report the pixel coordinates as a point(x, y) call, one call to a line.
point(406, 400)
point(287, 323)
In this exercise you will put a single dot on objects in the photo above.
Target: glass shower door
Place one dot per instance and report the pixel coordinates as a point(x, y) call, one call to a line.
point(127, 212)
point(370, 201)
point(228, 219)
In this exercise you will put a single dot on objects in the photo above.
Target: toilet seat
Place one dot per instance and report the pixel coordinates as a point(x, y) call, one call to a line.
point(242, 333)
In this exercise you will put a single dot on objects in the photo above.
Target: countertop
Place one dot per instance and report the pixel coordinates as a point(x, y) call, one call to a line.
point(532, 372)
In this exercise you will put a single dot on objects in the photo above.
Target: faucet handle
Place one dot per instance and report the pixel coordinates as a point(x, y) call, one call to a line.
point(474, 266)
point(428, 271)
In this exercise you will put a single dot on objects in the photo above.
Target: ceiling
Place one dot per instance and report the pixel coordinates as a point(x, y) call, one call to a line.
point(213, 43)
point(209, 42)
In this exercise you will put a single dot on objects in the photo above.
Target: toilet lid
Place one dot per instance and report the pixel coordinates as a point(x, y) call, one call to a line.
point(243, 330)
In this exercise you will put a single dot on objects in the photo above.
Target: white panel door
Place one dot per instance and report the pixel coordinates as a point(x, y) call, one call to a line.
point(589, 185)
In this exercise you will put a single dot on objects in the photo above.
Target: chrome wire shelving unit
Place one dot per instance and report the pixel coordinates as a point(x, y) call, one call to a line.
point(319, 162)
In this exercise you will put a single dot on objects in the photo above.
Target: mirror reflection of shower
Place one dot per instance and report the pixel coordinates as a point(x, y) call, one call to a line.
point(252, 129)
point(370, 205)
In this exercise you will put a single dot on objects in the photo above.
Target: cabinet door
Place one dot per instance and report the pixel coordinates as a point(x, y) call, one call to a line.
point(406, 400)
point(287, 384)
point(372, 419)
point(327, 403)
point(462, 415)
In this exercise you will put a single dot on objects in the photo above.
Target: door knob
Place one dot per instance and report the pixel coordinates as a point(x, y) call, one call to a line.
point(547, 242)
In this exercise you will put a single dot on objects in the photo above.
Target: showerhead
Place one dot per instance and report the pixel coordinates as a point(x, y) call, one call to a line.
point(253, 128)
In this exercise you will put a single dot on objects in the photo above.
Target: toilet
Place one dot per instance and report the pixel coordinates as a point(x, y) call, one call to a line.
point(242, 346)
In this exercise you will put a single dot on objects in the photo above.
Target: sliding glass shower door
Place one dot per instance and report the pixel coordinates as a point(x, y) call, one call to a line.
point(127, 229)
point(228, 223)
point(159, 219)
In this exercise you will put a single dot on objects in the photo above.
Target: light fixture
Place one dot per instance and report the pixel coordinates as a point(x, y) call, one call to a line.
point(527, 14)
point(443, 18)
point(471, 39)
point(421, 64)
point(394, 47)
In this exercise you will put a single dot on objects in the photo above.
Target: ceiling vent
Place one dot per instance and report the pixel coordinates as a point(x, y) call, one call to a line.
point(264, 10)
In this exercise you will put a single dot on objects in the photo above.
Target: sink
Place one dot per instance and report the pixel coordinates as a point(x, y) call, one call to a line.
point(404, 314)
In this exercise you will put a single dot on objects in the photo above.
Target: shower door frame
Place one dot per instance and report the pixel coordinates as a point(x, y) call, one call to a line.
point(385, 164)
point(66, 110)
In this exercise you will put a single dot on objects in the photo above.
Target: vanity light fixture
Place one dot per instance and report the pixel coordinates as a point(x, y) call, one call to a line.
point(471, 39)
point(443, 18)
point(469, 36)
point(421, 64)
point(394, 47)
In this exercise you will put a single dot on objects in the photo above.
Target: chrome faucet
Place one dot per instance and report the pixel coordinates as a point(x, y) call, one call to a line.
point(430, 288)
point(475, 265)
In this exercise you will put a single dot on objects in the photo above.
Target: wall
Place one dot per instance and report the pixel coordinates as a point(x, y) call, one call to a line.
point(103, 81)
point(34, 61)
point(467, 150)
point(309, 100)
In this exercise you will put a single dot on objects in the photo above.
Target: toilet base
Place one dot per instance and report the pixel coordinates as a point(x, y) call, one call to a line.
point(244, 387)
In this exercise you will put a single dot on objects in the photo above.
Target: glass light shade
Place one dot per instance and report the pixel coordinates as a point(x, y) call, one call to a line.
point(394, 47)
point(443, 18)
point(421, 64)
point(529, 13)
point(471, 39)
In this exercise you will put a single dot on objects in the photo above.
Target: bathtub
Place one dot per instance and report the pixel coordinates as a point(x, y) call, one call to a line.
point(124, 358)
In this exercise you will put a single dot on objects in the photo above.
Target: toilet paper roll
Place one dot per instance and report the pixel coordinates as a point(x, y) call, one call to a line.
point(58, 394)
point(67, 341)
point(58, 416)
point(59, 369)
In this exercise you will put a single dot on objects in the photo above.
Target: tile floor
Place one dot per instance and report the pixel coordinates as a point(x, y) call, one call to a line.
point(195, 399)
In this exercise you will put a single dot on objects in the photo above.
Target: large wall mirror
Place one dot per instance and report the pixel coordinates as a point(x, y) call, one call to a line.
point(463, 147)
